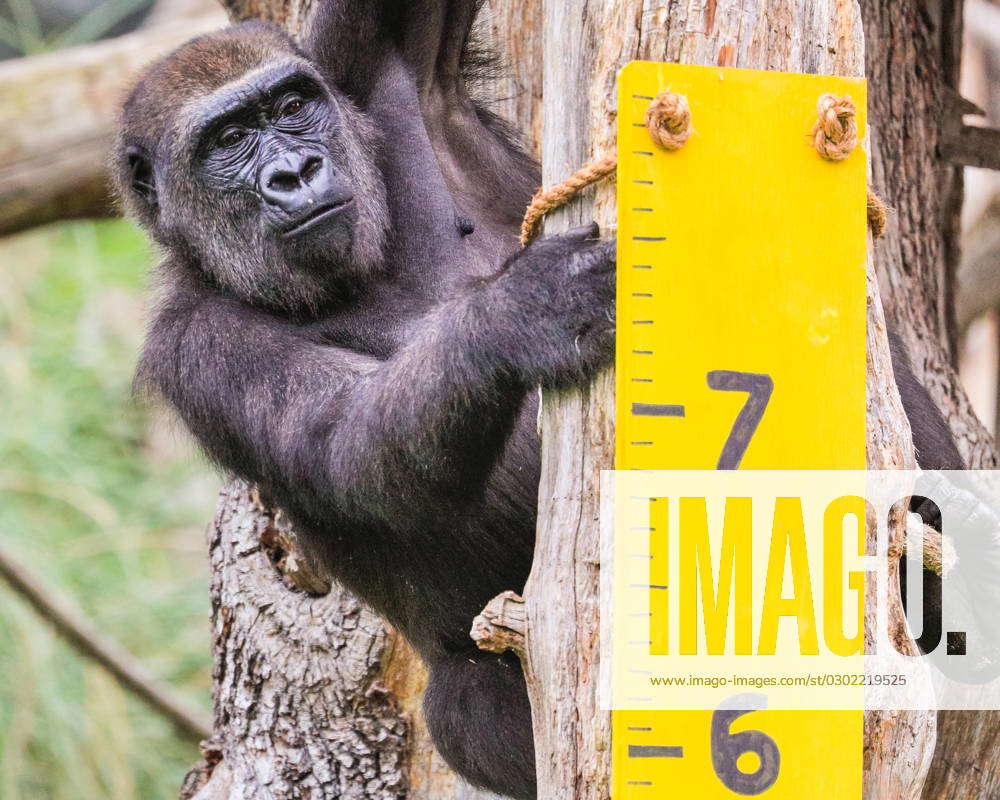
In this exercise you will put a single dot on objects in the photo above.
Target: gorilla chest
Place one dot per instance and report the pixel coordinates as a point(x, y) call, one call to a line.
point(376, 327)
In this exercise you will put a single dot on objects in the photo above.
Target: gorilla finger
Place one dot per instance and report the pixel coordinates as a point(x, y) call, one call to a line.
point(599, 257)
point(581, 233)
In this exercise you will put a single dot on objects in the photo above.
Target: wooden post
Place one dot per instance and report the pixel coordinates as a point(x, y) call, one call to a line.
point(584, 46)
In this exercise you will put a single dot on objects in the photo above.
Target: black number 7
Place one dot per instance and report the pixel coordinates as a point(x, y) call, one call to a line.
point(759, 387)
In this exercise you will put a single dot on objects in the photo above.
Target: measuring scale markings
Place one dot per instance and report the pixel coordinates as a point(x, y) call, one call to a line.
point(729, 266)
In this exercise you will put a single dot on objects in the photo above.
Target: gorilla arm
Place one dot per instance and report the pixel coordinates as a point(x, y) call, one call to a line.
point(408, 72)
point(348, 37)
point(398, 441)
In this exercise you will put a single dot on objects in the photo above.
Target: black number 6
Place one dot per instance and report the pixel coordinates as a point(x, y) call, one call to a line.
point(728, 747)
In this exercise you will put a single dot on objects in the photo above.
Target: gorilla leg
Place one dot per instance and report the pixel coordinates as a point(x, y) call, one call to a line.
point(932, 437)
point(477, 710)
point(935, 449)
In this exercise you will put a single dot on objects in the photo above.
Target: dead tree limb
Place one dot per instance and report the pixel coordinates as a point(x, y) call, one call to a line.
point(71, 623)
point(979, 273)
point(972, 146)
point(59, 113)
point(502, 625)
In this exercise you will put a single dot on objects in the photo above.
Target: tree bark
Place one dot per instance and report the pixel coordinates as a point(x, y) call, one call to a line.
point(299, 710)
point(899, 745)
point(583, 50)
point(914, 54)
point(314, 695)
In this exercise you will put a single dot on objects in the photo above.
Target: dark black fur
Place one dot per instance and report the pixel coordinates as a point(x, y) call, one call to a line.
point(935, 449)
point(383, 395)
point(378, 380)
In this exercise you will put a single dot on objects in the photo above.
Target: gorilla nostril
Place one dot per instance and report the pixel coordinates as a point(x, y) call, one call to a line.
point(310, 168)
point(283, 181)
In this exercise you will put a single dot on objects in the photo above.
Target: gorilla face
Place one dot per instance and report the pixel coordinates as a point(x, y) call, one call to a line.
point(273, 139)
point(263, 178)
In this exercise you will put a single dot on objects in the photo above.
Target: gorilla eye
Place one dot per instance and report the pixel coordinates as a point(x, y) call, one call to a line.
point(231, 137)
point(292, 107)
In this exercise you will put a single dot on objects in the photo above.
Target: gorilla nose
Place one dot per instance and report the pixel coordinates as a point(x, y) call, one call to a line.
point(296, 182)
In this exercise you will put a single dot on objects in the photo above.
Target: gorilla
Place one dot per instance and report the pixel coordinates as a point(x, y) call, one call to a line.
point(345, 319)
point(337, 323)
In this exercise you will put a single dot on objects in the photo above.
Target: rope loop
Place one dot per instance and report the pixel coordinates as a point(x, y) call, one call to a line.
point(546, 200)
point(835, 133)
point(668, 120)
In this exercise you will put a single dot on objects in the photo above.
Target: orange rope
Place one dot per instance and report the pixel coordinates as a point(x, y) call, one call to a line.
point(546, 200)
point(834, 136)
point(668, 120)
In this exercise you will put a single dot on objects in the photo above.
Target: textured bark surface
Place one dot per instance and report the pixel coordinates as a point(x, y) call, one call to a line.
point(899, 745)
point(584, 46)
point(913, 58)
point(298, 709)
point(572, 734)
point(513, 30)
point(314, 696)
point(502, 625)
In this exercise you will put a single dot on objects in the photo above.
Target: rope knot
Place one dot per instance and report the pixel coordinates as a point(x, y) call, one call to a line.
point(878, 215)
point(668, 120)
point(835, 133)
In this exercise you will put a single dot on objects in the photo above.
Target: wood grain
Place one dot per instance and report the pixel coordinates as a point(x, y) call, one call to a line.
point(583, 48)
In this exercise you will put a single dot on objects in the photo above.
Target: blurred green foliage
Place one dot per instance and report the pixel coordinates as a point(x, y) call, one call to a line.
point(103, 498)
point(32, 27)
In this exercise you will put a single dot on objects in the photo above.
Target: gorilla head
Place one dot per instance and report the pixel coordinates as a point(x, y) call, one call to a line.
point(242, 162)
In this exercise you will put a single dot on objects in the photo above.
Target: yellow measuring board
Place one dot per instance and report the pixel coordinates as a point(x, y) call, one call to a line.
point(741, 344)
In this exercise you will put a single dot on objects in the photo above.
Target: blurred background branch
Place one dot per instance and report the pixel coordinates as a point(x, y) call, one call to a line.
point(71, 623)
point(59, 112)
point(59, 108)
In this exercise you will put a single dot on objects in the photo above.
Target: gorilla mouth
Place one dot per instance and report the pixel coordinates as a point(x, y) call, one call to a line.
point(322, 212)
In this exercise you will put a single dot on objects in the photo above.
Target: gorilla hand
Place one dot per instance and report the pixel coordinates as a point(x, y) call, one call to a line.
point(558, 296)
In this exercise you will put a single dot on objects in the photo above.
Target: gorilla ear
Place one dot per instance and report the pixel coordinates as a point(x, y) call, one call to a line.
point(141, 178)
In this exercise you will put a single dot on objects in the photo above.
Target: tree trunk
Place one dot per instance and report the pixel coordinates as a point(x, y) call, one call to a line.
point(583, 50)
point(914, 55)
point(299, 711)
point(314, 695)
